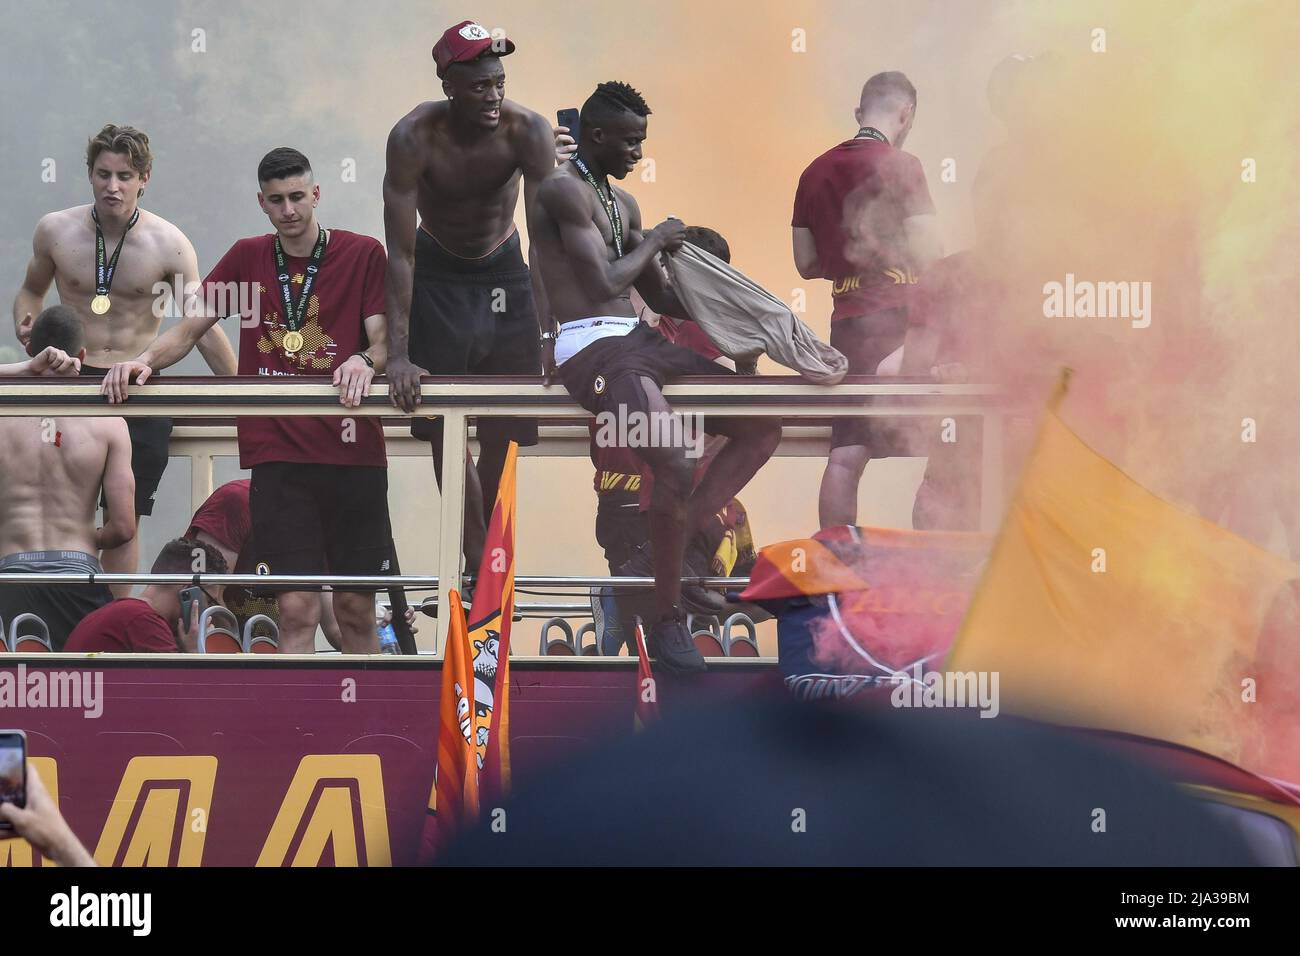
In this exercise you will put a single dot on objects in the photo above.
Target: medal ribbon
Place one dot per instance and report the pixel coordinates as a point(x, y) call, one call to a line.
point(105, 267)
point(294, 313)
point(870, 132)
point(611, 205)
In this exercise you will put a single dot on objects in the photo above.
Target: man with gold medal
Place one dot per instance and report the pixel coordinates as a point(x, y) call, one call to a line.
point(118, 266)
point(318, 500)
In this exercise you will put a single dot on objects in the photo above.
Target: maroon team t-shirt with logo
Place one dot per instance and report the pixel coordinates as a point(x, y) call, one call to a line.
point(349, 287)
point(854, 198)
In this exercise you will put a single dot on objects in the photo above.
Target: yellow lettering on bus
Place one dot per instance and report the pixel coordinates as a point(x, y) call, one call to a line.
point(332, 819)
point(151, 841)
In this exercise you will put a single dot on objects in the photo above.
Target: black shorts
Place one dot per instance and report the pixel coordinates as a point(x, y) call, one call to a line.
point(474, 317)
point(608, 372)
point(310, 519)
point(866, 341)
point(150, 439)
point(60, 606)
point(621, 527)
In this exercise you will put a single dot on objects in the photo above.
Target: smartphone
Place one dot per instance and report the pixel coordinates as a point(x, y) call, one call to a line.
point(13, 770)
point(570, 119)
point(189, 597)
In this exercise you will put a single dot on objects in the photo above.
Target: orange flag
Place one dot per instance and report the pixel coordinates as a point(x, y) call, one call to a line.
point(489, 636)
point(1105, 606)
point(453, 801)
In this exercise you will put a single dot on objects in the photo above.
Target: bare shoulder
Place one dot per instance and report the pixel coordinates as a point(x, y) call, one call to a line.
point(634, 210)
point(111, 430)
point(56, 225)
point(560, 192)
point(155, 226)
point(165, 236)
point(526, 126)
point(415, 127)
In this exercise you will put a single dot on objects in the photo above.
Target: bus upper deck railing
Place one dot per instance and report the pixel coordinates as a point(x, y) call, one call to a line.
point(457, 400)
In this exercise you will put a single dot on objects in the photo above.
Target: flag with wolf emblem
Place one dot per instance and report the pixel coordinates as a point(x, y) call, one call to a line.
point(489, 635)
point(453, 801)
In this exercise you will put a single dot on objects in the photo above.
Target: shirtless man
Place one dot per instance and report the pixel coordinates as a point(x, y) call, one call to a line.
point(592, 252)
point(460, 298)
point(51, 472)
point(118, 299)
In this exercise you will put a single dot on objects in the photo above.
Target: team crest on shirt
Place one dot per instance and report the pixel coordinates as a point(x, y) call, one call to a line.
point(598, 386)
point(472, 31)
point(319, 349)
point(263, 568)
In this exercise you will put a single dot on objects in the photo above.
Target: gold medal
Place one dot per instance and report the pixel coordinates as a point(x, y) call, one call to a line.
point(292, 342)
point(100, 304)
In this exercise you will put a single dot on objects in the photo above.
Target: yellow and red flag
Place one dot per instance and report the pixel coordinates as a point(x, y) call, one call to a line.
point(647, 688)
point(1104, 606)
point(453, 801)
point(489, 634)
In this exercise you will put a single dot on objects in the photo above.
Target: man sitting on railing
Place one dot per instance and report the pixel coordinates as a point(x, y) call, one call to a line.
point(592, 252)
point(153, 622)
point(319, 494)
point(51, 471)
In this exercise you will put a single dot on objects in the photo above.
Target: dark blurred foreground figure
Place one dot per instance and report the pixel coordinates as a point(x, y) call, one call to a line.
point(734, 785)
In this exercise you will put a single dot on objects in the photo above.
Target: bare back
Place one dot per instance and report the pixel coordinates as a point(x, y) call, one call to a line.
point(155, 251)
point(51, 470)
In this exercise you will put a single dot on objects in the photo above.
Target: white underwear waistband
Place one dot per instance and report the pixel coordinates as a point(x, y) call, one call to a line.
point(577, 335)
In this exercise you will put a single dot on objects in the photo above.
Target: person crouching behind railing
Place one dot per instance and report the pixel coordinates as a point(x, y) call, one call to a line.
point(153, 623)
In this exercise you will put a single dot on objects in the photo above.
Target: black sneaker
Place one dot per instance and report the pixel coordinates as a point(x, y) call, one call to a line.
point(697, 600)
point(670, 644)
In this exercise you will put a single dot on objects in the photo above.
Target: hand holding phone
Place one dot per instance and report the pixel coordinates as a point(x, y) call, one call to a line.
point(187, 627)
point(189, 597)
point(566, 135)
point(38, 821)
point(13, 770)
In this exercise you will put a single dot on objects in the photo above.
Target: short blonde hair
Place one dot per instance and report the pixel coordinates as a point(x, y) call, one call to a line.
point(121, 139)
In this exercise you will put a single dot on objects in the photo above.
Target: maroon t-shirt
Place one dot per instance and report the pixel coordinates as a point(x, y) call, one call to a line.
point(854, 198)
point(349, 287)
point(225, 515)
point(127, 624)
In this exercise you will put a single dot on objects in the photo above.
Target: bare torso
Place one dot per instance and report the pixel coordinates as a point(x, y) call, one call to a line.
point(569, 297)
point(468, 190)
point(51, 471)
point(154, 252)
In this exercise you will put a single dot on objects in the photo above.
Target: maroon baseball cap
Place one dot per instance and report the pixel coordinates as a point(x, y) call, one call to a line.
point(464, 42)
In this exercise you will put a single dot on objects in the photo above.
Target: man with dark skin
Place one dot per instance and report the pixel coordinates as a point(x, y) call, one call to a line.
point(592, 251)
point(460, 299)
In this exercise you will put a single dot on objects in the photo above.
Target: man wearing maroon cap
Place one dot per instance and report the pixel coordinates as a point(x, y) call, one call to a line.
point(461, 300)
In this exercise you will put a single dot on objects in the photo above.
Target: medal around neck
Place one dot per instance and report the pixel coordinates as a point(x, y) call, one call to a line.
point(295, 312)
point(105, 267)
